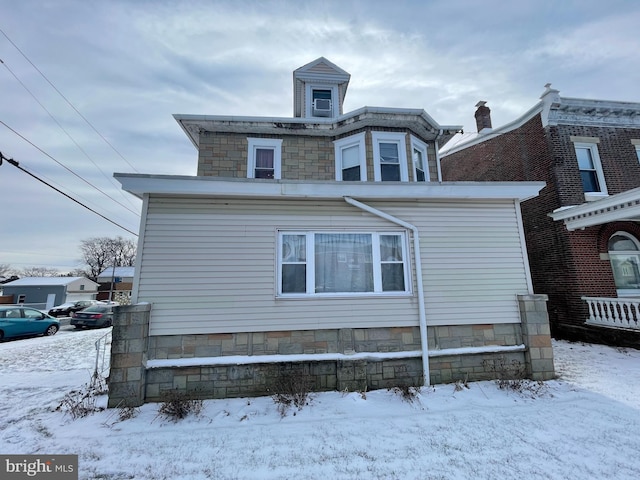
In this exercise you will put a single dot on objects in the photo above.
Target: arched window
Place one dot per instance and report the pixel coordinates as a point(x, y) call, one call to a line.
point(624, 255)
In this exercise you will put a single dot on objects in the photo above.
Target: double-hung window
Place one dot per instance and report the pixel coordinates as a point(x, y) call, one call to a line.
point(590, 167)
point(342, 263)
point(351, 158)
point(420, 160)
point(389, 157)
point(264, 158)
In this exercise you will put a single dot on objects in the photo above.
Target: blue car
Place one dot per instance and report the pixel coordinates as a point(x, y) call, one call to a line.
point(20, 321)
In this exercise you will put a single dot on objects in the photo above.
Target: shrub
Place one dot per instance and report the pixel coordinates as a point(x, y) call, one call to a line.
point(178, 405)
point(292, 388)
point(406, 392)
point(81, 403)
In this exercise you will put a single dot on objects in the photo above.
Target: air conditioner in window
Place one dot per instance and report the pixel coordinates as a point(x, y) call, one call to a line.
point(322, 107)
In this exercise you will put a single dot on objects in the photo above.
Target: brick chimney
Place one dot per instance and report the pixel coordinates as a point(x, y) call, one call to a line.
point(483, 117)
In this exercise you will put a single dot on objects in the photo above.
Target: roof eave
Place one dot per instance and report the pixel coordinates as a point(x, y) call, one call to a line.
point(140, 185)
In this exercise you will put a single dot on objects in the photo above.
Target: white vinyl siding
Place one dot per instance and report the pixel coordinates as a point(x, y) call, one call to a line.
point(209, 266)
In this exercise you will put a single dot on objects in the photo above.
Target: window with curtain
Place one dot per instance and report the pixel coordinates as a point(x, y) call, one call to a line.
point(264, 158)
point(264, 167)
point(316, 263)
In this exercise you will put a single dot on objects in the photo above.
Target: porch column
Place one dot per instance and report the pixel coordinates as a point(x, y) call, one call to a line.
point(536, 335)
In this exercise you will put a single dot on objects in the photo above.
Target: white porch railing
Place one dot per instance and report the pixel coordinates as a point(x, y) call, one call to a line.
point(614, 312)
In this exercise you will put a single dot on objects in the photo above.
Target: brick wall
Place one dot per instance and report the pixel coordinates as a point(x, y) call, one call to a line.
point(564, 265)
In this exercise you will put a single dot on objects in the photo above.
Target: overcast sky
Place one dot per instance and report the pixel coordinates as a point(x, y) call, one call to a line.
point(127, 66)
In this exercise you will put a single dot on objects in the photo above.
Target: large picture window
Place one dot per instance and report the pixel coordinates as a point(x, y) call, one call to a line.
point(353, 263)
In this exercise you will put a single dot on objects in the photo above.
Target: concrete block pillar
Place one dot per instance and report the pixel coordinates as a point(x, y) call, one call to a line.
point(536, 335)
point(130, 339)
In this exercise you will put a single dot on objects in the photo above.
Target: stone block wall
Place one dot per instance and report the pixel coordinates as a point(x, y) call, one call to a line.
point(127, 379)
point(132, 381)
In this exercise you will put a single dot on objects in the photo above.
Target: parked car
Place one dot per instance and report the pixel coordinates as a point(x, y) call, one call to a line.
point(96, 316)
point(20, 321)
point(66, 309)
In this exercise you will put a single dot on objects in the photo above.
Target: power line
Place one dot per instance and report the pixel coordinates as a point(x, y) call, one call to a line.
point(17, 165)
point(59, 125)
point(68, 102)
point(68, 169)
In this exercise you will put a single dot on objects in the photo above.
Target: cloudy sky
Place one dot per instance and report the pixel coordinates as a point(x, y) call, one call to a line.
point(88, 88)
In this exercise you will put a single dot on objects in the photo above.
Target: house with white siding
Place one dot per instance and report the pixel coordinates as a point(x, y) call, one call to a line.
point(324, 245)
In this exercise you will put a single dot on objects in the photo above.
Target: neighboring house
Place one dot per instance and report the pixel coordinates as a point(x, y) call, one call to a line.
point(115, 282)
point(325, 245)
point(583, 231)
point(46, 292)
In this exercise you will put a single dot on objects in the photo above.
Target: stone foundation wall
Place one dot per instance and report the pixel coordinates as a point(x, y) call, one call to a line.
point(133, 381)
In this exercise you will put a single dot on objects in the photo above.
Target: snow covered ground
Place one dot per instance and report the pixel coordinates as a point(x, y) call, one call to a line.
point(585, 425)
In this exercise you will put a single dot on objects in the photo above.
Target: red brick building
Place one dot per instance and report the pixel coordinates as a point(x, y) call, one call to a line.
point(582, 231)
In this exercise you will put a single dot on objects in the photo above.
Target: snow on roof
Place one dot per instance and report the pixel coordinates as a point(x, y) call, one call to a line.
point(118, 272)
point(38, 281)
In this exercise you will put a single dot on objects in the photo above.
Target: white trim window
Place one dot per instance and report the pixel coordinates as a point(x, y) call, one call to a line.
point(389, 157)
point(624, 255)
point(342, 263)
point(420, 160)
point(321, 100)
point(591, 173)
point(638, 152)
point(264, 158)
point(351, 164)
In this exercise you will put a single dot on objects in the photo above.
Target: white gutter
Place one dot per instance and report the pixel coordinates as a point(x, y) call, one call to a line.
point(416, 247)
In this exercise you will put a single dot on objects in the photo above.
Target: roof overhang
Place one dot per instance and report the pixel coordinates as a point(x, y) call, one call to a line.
point(623, 206)
point(417, 120)
point(141, 184)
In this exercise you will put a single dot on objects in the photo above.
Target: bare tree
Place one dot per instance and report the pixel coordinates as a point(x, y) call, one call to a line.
point(39, 272)
point(99, 253)
point(5, 270)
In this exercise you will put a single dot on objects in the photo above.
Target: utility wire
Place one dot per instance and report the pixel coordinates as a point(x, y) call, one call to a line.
point(68, 169)
point(17, 165)
point(60, 126)
point(68, 102)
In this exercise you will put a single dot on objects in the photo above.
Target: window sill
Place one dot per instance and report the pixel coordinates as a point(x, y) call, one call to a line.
point(593, 196)
point(351, 296)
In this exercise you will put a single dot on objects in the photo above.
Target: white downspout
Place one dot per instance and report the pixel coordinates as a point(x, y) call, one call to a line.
point(416, 248)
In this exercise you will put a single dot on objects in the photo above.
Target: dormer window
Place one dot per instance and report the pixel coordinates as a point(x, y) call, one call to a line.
point(319, 88)
point(322, 101)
